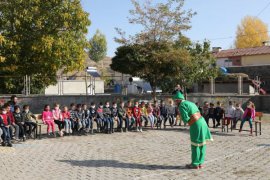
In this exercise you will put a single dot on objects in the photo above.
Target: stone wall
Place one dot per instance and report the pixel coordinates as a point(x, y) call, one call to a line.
point(227, 88)
point(37, 102)
point(262, 71)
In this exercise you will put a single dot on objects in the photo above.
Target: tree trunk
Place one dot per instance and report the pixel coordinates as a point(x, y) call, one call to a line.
point(154, 94)
point(185, 92)
point(86, 85)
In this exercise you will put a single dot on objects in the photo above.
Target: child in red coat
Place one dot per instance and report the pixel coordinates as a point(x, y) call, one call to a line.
point(137, 116)
point(5, 122)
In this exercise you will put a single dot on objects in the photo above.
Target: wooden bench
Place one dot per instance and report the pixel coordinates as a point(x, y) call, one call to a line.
point(39, 125)
point(224, 125)
point(258, 122)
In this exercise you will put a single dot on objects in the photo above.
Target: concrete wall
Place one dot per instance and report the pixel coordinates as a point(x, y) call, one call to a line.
point(37, 102)
point(262, 71)
point(256, 60)
point(227, 88)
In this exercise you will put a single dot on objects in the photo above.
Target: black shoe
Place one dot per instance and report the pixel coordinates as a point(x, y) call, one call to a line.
point(9, 145)
point(24, 138)
point(4, 144)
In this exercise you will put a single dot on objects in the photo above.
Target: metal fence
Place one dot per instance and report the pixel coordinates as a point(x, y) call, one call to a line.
point(87, 85)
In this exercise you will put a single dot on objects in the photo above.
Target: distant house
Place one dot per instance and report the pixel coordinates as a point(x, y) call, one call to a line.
point(257, 56)
point(255, 62)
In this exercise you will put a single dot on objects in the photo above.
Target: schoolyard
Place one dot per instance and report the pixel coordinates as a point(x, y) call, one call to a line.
point(153, 154)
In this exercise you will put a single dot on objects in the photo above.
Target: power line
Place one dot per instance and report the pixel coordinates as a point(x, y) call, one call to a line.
point(268, 4)
point(231, 37)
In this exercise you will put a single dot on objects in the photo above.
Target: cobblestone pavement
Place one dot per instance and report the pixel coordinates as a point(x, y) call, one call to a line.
point(153, 154)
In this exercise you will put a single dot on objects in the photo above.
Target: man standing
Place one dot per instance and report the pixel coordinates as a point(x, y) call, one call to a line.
point(13, 102)
point(199, 132)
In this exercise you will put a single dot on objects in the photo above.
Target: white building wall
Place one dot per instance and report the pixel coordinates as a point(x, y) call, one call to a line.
point(74, 87)
point(224, 62)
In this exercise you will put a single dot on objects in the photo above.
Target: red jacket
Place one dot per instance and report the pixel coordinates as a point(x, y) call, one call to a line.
point(4, 119)
point(11, 117)
point(66, 115)
point(137, 112)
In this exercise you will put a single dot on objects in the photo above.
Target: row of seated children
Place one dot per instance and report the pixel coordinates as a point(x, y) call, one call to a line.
point(80, 119)
point(16, 125)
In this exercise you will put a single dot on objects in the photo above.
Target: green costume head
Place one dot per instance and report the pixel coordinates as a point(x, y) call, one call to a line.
point(178, 96)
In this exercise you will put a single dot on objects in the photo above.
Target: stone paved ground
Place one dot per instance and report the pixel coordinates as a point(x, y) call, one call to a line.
point(153, 154)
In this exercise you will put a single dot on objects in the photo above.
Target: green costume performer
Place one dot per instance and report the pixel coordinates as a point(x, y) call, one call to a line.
point(199, 132)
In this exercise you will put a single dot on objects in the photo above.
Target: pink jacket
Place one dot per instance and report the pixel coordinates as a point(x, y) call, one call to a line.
point(57, 114)
point(47, 116)
point(253, 113)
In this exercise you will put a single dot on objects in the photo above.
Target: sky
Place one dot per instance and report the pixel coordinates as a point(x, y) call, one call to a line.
point(216, 20)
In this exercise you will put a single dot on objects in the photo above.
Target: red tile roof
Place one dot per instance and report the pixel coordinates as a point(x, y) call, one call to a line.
point(243, 52)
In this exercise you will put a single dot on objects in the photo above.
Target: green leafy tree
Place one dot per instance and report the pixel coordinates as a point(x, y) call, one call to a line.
point(159, 53)
point(159, 22)
point(97, 47)
point(201, 67)
point(42, 37)
point(167, 64)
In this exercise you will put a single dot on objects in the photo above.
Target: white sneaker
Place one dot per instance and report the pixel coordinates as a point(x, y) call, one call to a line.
point(141, 130)
point(137, 130)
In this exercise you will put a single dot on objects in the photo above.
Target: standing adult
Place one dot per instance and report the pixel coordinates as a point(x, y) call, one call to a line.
point(199, 132)
point(13, 102)
point(177, 88)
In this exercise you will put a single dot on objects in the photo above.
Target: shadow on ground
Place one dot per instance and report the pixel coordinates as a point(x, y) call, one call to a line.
point(263, 145)
point(118, 164)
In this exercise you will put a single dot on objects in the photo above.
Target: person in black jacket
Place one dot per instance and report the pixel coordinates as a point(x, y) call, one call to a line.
point(100, 118)
point(19, 120)
point(93, 116)
point(122, 116)
point(86, 119)
point(218, 113)
point(163, 112)
point(79, 115)
point(108, 118)
point(115, 116)
point(211, 114)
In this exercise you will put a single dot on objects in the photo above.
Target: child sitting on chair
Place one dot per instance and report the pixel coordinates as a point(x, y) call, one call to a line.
point(58, 119)
point(30, 120)
point(100, 118)
point(66, 118)
point(249, 115)
point(19, 120)
point(238, 114)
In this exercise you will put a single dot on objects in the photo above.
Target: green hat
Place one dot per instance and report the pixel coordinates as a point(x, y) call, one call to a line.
point(178, 95)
